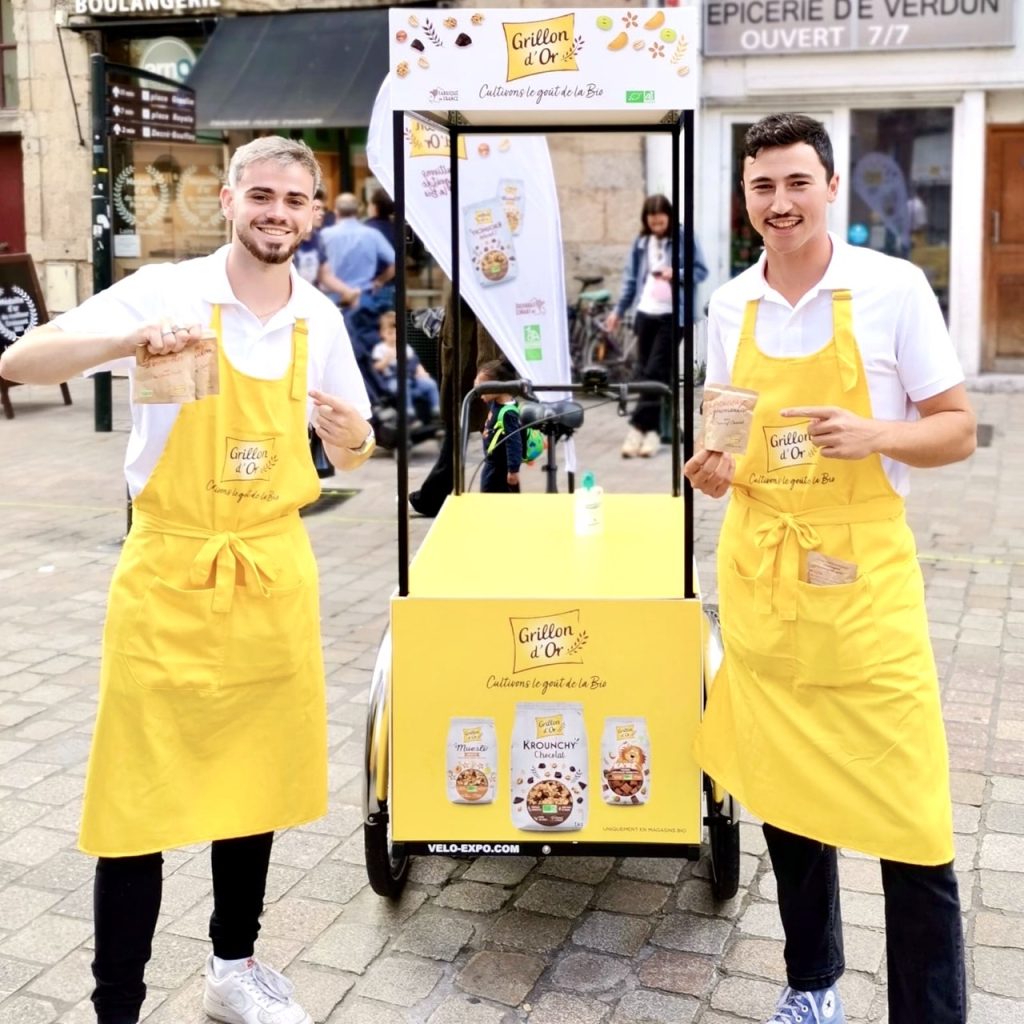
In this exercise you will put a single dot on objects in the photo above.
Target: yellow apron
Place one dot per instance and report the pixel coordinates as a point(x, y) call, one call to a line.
point(212, 714)
point(824, 719)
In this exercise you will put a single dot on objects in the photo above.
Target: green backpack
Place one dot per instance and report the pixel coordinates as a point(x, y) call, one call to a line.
point(533, 439)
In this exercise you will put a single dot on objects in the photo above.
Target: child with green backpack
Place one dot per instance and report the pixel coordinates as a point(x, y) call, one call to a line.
point(506, 444)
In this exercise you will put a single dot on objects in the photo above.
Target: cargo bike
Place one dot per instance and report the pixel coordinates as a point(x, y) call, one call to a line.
point(538, 696)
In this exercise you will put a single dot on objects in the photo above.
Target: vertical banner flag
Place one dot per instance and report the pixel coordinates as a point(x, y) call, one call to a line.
point(511, 243)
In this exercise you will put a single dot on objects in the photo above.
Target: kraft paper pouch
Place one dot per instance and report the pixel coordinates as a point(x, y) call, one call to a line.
point(178, 377)
point(510, 191)
point(490, 242)
point(825, 571)
point(728, 414)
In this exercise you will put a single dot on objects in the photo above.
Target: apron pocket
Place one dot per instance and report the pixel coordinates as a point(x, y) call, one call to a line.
point(270, 638)
point(763, 643)
point(175, 643)
point(836, 638)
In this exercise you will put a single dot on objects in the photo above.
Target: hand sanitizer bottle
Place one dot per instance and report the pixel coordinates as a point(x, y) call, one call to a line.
point(589, 511)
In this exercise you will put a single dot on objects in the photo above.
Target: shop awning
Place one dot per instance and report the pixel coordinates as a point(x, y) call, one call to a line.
point(300, 70)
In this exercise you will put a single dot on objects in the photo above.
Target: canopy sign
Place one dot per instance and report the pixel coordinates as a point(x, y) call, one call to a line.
point(495, 59)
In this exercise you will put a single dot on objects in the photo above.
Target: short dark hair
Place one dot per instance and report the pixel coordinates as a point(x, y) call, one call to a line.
point(383, 202)
point(498, 369)
point(777, 130)
point(657, 203)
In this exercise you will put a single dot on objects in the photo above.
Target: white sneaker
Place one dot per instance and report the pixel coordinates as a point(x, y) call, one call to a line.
point(258, 995)
point(650, 444)
point(631, 446)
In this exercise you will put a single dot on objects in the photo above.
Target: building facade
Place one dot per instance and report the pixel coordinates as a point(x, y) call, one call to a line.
point(928, 131)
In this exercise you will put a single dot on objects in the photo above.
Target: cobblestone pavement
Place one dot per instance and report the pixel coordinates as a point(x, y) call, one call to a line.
point(491, 941)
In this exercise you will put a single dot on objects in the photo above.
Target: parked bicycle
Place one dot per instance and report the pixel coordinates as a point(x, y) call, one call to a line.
point(590, 341)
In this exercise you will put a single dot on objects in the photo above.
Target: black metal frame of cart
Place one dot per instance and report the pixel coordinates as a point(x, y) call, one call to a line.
point(679, 125)
point(387, 863)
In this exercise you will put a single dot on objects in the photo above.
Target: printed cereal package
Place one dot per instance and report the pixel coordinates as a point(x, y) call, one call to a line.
point(472, 760)
point(549, 767)
point(489, 242)
point(625, 762)
point(510, 191)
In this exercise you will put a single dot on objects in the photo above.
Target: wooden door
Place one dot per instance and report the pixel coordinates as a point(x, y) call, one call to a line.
point(12, 209)
point(1004, 249)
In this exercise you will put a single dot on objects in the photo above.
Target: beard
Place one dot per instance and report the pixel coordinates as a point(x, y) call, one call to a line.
point(266, 250)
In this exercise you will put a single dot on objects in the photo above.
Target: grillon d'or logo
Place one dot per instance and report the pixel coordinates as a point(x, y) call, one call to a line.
point(535, 47)
point(547, 640)
point(549, 725)
point(789, 446)
point(472, 734)
point(247, 459)
point(426, 140)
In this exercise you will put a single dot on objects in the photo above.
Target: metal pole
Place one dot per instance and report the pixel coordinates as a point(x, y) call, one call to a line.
point(688, 294)
point(458, 469)
point(101, 235)
point(398, 152)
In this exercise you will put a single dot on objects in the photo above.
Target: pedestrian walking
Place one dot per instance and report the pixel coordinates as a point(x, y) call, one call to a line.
point(211, 723)
point(647, 281)
point(824, 719)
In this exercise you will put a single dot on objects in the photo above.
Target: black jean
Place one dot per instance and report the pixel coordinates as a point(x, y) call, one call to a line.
point(923, 935)
point(654, 362)
point(126, 902)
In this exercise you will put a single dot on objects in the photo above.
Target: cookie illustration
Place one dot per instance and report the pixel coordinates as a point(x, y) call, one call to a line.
point(494, 265)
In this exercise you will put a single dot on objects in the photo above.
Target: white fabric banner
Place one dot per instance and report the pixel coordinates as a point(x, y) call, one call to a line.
point(511, 243)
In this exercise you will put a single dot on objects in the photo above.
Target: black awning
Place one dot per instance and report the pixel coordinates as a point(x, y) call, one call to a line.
point(320, 69)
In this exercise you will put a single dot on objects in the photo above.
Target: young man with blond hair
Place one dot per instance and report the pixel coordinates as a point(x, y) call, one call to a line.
point(211, 724)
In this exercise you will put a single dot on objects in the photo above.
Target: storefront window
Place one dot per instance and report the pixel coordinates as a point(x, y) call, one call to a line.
point(166, 202)
point(8, 57)
point(900, 185)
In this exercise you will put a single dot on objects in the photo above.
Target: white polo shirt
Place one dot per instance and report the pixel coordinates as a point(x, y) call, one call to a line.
point(903, 340)
point(185, 293)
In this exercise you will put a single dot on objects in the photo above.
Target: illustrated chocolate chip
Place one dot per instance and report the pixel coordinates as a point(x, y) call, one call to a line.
point(518, 800)
point(583, 785)
point(417, 45)
point(579, 799)
point(542, 765)
point(462, 39)
point(558, 775)
point(529, 782)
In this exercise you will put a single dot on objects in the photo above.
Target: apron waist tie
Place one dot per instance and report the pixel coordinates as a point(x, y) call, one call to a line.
point(782, 535)
point(221, 554)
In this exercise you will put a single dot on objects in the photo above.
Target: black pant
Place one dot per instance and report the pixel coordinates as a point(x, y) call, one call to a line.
point(654, 362)
point(126, 902)
point(923, 937)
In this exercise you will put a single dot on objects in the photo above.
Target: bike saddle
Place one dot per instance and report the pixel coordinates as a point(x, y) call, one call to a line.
point(587, 282)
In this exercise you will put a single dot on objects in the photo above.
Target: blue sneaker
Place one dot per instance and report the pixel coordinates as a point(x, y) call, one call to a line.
point(823, 1006)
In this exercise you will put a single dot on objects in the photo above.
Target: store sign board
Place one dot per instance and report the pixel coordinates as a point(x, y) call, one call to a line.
point(129, 8)
point(734, 28)
point(593, 59)
point(21, 299)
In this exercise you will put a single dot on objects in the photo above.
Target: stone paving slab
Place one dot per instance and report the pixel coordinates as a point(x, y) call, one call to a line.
point(492, 940)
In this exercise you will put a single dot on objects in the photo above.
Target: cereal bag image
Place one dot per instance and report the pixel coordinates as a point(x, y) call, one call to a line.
point(489, 242)
point(549, 767)
point(625, 762)
point(472, 758)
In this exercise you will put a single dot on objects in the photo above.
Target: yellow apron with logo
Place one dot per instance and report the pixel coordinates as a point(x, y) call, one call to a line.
point(212, 713)
point(824, 719)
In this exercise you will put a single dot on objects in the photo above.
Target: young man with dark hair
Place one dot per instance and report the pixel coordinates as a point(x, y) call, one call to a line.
point(212, 724)
point(825, 719)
